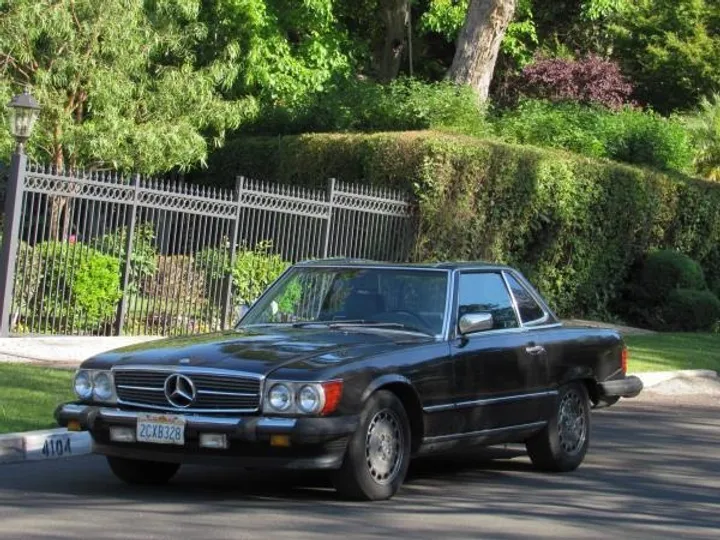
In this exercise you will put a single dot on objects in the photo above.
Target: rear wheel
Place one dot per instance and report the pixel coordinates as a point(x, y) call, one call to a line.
point(378, 453)
point(561, 446)
point(136, 471)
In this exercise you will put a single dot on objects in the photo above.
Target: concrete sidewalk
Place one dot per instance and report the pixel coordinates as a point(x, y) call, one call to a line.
point(62, 351)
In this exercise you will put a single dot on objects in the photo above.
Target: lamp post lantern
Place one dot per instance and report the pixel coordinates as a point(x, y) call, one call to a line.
point(24, 111)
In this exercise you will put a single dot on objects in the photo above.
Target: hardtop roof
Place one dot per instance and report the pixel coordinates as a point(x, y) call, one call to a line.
point(441, 265)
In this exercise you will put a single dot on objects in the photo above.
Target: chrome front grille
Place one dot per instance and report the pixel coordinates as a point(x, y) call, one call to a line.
point(214, 392)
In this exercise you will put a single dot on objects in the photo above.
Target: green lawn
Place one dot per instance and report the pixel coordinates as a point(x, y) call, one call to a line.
point(662, 352)
point(29, 395)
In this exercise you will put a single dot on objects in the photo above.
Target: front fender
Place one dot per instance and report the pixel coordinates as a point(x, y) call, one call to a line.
point(384, 380)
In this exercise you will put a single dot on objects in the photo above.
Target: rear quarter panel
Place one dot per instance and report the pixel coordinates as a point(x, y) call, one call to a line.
point(583, 353)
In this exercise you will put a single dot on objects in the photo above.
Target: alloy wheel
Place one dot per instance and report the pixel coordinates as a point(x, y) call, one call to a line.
point(572, 425)
point(384, 446)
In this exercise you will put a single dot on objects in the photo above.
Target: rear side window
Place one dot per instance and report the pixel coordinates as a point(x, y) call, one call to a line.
point(529, 309)
point(483, 293)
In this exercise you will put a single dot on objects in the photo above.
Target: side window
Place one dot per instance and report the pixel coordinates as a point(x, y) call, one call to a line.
point(527, 306)
point(486, 292)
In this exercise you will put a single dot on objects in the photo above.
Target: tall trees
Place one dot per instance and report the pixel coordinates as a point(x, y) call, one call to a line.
point(479, 43)
point(151, 85)
point(671, 50)
point(391, 43)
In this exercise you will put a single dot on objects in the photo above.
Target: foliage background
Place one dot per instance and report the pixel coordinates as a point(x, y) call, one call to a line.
point(574, 225)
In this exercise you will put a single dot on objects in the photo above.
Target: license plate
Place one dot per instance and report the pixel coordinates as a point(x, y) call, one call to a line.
point(161, 429)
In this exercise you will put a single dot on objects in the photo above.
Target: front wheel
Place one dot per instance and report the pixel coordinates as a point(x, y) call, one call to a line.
point(137, 471)
point(561, 446)
point(378, 454)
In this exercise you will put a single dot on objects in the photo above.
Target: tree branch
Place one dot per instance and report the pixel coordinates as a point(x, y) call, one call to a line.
point(10, 60)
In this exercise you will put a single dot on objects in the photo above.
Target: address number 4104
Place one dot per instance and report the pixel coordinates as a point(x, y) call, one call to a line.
point(57, 447)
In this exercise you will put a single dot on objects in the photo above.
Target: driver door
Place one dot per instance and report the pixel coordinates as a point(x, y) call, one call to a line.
point(490, 365)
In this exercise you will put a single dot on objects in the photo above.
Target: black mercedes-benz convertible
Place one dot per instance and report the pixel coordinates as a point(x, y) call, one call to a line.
point(357, 367)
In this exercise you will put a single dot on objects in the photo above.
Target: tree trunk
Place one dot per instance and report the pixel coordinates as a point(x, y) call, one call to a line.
point(57, 203)
point(479, 43)
point(389, 46)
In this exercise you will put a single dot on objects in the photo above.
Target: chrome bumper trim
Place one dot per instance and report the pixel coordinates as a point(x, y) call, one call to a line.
point(192, 420)
point(270, 422)
point(74, 409)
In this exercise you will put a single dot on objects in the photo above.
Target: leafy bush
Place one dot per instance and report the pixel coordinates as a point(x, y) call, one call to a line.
point(80, 287)
point(96, 289)
point(646, 138)
point(670, 50)
point(254, 270)
point(691, 310)
point(576, 226)
point(359, 105)
point(590, 80)
point(704, 128)
point(629, 135)
point(143, 259)
point(565, 125)
point(177, 279)
point(647, 297)
point(666, 270)
point(28, 275)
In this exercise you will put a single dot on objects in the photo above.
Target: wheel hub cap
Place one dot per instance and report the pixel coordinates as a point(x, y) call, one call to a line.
point(383, 446)
point(572, 427)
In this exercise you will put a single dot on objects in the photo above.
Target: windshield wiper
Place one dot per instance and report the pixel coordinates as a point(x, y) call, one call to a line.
point(375, 324)
point(305, 324)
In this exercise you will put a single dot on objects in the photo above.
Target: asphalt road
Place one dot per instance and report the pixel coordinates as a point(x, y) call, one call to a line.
point(653, 471)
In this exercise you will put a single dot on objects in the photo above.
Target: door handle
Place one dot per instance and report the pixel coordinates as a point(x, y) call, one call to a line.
point(535, 349)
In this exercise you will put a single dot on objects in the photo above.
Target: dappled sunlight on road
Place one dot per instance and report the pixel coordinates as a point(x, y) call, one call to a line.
point(651, 472)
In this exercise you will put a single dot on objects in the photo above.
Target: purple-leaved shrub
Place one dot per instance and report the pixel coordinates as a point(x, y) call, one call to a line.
point(589, 80)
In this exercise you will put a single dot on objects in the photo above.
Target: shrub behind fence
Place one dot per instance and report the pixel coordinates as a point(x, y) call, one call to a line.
point(105, 253)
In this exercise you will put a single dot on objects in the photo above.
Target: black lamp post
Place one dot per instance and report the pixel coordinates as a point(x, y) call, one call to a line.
point(24, 111)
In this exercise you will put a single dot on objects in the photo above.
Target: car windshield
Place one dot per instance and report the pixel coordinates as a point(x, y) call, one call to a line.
point(403, 299)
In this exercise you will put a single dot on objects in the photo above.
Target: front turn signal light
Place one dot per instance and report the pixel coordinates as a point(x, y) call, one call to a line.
point(333, 393)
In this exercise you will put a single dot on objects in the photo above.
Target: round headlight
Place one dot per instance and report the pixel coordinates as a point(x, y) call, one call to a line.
point(83, 385)
point(103, 386)
point(280, 397)
point(308, 400)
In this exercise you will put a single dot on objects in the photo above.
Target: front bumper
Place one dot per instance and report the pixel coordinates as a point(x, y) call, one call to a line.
point(315, 443)
point(627, 387)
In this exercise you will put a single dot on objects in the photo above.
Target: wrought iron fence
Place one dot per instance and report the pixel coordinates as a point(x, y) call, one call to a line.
point(106, 253)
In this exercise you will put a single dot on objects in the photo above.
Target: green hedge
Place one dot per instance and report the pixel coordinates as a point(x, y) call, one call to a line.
point(574, 225)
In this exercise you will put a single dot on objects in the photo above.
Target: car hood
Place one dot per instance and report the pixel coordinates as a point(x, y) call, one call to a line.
point(260, 350)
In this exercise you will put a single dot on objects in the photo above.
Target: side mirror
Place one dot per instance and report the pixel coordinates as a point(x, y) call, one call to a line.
point(475, 322)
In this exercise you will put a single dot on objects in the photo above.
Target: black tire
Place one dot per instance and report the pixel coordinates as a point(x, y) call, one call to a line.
point(561, 446)
point(140, 472)
point(370, 472)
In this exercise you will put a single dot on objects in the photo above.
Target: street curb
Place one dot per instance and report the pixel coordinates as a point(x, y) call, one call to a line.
point(653, 378)
point(43, 445)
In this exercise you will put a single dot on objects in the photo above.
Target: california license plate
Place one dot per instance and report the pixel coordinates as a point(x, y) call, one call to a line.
point(161, 429)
